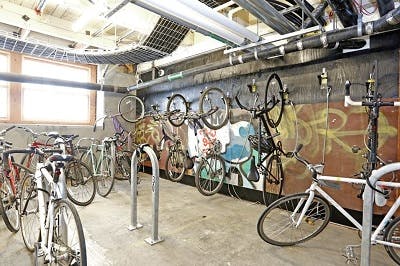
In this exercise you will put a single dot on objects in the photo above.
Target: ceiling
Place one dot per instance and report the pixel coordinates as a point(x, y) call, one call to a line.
point(121, 31)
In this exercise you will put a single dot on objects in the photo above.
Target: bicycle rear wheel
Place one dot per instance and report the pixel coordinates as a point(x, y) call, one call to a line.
point(273, 100)
point(277, 224)
point(105, 179)
point(392, 234)
point(29, 213)
point(273, 180)
point(175, 165)
point(9, 205)
point(214, 103)
point(177, 107)
point(81, 185)
point(69, 241)
point(210, 175)
point(131, 108)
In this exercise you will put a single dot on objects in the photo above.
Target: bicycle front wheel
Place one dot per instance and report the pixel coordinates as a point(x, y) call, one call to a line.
point(177, 107)
point(210, 175)
point(214, 103)
point(69, 247)
point(273, 180)
point(277, 224)
point(8, 205)
point(123, 165)
point(81, 185)
point(131, 108)
point(175, 165)
point(29, 213)
point(273, 100)
point(105, 180)
point(392, 234)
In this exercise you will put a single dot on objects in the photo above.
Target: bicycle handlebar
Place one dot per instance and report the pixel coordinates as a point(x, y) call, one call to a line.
point(348, 101)
point(4, 131)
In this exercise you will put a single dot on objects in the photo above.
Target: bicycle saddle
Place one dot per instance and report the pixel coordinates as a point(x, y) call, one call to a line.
point(60, 158)
point(253, 174)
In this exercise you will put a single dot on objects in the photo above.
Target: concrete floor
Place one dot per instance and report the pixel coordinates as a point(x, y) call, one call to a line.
point(198, 230)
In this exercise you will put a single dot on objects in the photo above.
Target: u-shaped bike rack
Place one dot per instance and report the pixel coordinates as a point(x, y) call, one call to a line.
point(154, 238)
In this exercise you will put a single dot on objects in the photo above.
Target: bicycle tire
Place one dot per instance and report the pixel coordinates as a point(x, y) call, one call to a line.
point(9, 205)
point(273, 180)
point(210, 175)
point(392, 234)
point(29, 213)
point(175, 165)
point(277, 219)
point(273, 100)
point(80, 183)
point(123, 165)
point(131, 108)
point(70, 247)
point(105, 180)
point(214, 99)
point(177, 108)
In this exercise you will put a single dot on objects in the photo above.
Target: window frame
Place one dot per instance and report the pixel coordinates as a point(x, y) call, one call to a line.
point(5, 119)
point(16, 92)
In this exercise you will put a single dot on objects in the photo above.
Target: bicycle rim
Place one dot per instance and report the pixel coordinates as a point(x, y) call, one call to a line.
point(177, 108)
point(69, 242)
point(277, 224)
point(123, 166)
point(9, 206)
point(131, 108)
point(105, 181)
point(210, 175)
point(392, 234)
point(273, 180)
point(29, 213)
point(273, 100)
point(81, 187)
point(175, 165)
point(214, 103)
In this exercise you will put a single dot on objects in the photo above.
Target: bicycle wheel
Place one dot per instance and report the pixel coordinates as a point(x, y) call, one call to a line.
point(29, 213)
point(273, 100)
point(81, 185)
point(214, 103)
point(175, 165)
point(123, 165)
point(9, 204)
point(273, 180)
point(210, 175)
point(105, 179)
point(131, 108)
point(69, 247)
point(392, 234)
point(177, 107)
point(277, 224)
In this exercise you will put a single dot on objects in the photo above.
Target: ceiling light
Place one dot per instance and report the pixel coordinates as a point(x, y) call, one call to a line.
point(25, 17)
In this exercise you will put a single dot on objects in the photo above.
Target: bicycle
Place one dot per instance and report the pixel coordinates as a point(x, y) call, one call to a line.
point(213, 102)
point(50, 224)
point(296, 218)
point(175, 165)
point(131, 108)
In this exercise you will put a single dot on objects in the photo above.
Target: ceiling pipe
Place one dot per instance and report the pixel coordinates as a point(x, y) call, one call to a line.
point(268, 15)
point(390, 21)
point(345, 12)
point(384, 6)
point(18, 78)
point(317, 12)
point(185, 15)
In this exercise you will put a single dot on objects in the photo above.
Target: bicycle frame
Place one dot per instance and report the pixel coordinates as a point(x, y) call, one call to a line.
point(315, 186)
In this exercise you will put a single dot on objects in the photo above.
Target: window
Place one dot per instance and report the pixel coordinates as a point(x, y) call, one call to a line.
point(4, 88)
point(47, 103)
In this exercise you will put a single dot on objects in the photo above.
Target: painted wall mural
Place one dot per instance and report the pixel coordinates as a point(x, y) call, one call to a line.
point(347, 129)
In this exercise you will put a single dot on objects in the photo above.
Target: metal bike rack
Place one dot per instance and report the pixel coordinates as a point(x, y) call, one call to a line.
point(368, 211)
point(154, 238)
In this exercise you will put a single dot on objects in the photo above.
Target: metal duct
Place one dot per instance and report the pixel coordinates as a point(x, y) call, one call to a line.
point(390, 21)
point(203, 22)
point(268, 15)
point(345, 12)
point(10, 77)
